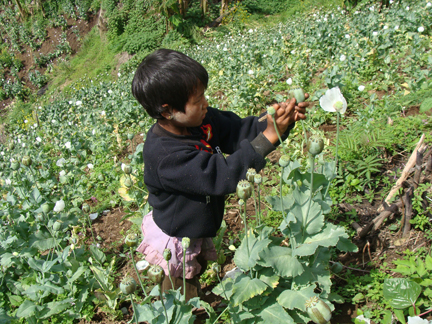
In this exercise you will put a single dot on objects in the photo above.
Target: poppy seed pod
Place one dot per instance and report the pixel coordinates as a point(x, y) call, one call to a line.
point(167, 254)
point(284, 161)
point(26, 160)
point(85, 208)
point(315, 145)
point(271, 111)
point(15, 165)
point(128, 183)
point(128, 285)
point(131, 240)
point(156, 274)
point(250, 174)
point(258, 178)
point(127, 169)
point(185, 243)
point(336, 267)
point(130, 136)
point(57, 226)
point(45, 208)
point(318, 311)
point(244, 189)
point(298, 94)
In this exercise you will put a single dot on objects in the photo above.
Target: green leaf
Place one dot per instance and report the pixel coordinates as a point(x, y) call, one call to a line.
point(401, 293)
point(245, 289)
point(45, 244)
point(56, 307)
point(296, 298)
point(399, 313)
point(145, 313)
point(281, 260)
point(346, 245)
point(98, 255)
point(28, 308)
point(255, 247)
point(272, 312)
point(426, 105)
point(4, 318)
point(328, 237)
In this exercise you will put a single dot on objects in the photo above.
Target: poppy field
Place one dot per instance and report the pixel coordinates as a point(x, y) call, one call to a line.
point(299, 256)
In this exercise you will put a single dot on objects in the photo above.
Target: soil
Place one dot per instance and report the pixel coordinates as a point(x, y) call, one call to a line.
point(377, 248)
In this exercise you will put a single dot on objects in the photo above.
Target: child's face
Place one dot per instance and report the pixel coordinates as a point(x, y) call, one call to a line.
point(195, 110)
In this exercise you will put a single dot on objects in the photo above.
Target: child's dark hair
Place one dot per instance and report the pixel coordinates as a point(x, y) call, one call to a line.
point(167, 77)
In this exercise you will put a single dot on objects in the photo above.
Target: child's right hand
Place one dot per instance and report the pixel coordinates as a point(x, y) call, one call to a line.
point(286, 114)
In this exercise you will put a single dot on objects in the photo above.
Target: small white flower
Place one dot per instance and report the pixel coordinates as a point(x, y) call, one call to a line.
point(8, 181)
point(1, 153)
point(53, 121)
point(407, 8)
point(118, 74)
point(68, 145)
point(347, 36)
point(361, 88)
point(225, 49)
point(417, 320)
point(428, 5)
point(60, 162)
point(342, 58)
point(385, 27)
point(90, 166)
point(251, 72)
point(62, 173)
point(70, 102)
point(250, 30)
point(23, 144)
point(110, 91)
point(93, 131)
point(421, 29)
point(78, 103)
point(289, 81)
point(103, 113)
point(59, 206)
point(35, 125)
point(123, 166)
point(363, 319)
point(25, 121)
point(93, 216)
point(142, 265)
point(333, 101)
point(375, 33)
point(396, 27)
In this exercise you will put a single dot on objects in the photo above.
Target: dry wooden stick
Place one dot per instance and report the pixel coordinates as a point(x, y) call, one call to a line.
point(405, 173)
point(377, 221)
point(408, 211)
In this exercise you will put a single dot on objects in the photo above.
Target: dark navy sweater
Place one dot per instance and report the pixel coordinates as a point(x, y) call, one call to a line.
point(188, 176)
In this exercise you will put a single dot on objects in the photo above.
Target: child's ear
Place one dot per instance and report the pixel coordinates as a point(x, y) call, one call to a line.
point(167, 111)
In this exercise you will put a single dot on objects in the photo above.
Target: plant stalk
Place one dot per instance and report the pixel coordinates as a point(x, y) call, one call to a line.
point(184, 274)
point(163, 304)
point(133, 308)
point(246, 236)
point(136, 271)
point(336, 154)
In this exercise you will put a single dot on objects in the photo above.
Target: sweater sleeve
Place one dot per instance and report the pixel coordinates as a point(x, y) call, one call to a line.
point(232, 130)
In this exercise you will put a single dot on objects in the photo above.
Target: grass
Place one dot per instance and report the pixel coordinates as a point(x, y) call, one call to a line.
point(95, 57)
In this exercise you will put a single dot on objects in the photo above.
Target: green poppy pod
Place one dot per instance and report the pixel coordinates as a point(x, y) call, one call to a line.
point(130, 136)
point(26, 160)
point(318, 311)
point(258, 178)
point(284, 161)
point(11, 145)
point(185, 243)
point(85, 208)
point(167, 254)
point(128, 182)
point(315, 145)
point(57, 226)
point(141, 124)
point(250, 174)
point(244, 189)
point(156, 274)
point(336, 267)
point(131, 240)
point(128, 286)
point(15, 165)
point(101, 177)
point(298, 94)
point(45, 208)
point(127, 169)
point(271, 111)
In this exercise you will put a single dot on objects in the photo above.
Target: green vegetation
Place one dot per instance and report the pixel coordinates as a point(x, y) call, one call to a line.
point(67, 150)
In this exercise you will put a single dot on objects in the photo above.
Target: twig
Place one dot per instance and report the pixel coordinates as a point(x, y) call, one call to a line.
point(404, 174)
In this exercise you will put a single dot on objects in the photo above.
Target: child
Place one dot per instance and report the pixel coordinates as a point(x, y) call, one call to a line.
point(185, 172)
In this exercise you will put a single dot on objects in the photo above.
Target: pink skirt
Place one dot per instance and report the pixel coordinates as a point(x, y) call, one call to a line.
point(156, 241)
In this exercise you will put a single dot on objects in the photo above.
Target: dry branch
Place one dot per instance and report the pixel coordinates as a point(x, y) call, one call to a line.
point(406, 171)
